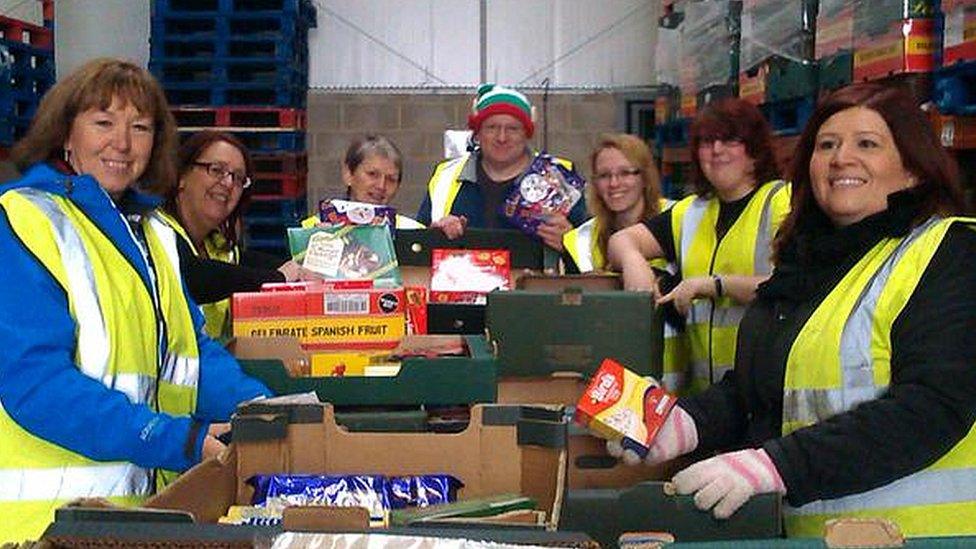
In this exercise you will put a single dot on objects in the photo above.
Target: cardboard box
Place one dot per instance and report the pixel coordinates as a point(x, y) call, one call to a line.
point(504, 449)
point(540, 333)
point(346, 363)
point(317, 301)
point(959, 37)
point(330, 332)
point(906, 46)
point(835, 28)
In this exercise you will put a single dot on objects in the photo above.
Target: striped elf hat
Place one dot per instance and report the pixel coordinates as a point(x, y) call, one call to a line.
point(494, 99)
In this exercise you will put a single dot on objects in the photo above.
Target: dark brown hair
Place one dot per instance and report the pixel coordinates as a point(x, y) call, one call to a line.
point(190, 152)
point(733, 118)
point(938, 189)
point(637, 153)
point(94, 86)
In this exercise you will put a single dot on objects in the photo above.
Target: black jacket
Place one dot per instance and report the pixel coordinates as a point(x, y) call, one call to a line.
point(210, 280)
point(930, 404)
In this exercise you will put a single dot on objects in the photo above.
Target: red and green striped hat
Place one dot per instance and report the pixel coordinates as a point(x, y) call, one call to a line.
point(493, 99)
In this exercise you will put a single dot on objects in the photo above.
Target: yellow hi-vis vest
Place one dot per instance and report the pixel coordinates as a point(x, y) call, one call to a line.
point(118, 344)
point(842, 357)
point(445, 184)
point(216, 315)
point(582, 244)
point(746, 249)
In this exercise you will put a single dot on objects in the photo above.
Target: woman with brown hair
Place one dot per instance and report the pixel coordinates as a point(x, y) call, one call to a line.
point(108, 384)
point(854, 391)
point(625, 190)
point(719, 238)
point(205, 208)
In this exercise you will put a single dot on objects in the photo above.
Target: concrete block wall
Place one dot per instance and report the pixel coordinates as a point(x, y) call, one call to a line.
point(416, 123)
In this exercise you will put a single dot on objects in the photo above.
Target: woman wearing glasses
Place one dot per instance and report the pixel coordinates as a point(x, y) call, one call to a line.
point(626, 189)
point(720, 239)
point(205, 209)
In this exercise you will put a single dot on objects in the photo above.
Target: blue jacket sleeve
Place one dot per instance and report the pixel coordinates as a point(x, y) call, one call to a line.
point(44, 392)
point(222, 385)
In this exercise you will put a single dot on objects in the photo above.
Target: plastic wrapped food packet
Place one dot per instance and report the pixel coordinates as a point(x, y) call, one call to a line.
point(546, 188)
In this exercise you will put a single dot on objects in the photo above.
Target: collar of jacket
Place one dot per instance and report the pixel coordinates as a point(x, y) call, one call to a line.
point(85, 193)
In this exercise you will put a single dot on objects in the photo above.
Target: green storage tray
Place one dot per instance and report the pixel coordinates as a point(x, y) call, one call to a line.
point(401, 421)
point(441, 381)
point(539, 333)
point(604, 514)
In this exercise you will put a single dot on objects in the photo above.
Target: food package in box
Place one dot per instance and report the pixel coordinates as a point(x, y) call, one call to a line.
point(466, 276)
point(346, 252)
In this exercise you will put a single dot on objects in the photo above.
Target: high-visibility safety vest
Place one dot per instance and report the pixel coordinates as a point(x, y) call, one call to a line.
point(216, 315)
point(842, 357)
point(123, 328)
point(582, 243)
point(746, 249)
point(448, 176)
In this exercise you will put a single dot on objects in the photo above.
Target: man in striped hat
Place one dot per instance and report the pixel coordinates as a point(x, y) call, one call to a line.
point(470, 189)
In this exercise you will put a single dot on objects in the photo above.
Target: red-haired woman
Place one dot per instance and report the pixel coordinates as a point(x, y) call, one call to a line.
point(720, 238)
point(854, 391)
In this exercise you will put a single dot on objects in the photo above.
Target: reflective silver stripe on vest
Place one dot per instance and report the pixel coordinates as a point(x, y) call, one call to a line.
point(700, 370)
point(442, 186)
point(763, 263)
point(584, 242)
point(178, 370)
point(921, 488)
point(701, 310)
point(857, 366)
point(70, 482)
point(93, 340)
point(689, 225)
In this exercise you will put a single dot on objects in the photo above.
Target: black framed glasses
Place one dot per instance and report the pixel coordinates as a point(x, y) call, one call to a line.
point(606, 177)
point(218, 171)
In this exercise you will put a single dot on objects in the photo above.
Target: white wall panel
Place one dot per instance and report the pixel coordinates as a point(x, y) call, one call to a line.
point(394, 43)
point(607, 43)
point(85, 29)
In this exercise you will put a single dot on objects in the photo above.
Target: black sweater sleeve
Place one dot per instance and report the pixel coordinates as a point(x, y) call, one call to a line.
point(929, 406)
point(210, 280)
point(660, 227)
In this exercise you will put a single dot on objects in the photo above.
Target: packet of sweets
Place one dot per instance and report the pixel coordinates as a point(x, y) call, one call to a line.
point(546, 188)
point(621, 405)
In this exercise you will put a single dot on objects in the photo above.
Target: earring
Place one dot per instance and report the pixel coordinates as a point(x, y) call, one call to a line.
point(66, 154)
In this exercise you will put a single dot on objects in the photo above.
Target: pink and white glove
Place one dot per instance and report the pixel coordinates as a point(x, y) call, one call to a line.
point(677, 437)
point(725, 482)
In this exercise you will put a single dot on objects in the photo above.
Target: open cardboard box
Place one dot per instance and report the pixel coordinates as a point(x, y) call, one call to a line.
point(504, 449)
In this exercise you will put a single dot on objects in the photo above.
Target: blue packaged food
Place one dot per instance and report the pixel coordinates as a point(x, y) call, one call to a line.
point(423, 490)
point(546, 188)
point(279, 491)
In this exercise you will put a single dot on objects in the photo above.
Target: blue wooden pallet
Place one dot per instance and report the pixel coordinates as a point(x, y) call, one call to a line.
point(303, 9)
point(955, 88)
point(788, 117)
point(226, 27)
point(281, 212)
point(267, 142)
point(672, 134)
point(267, 73)
point(279, 49)
point(202, 93)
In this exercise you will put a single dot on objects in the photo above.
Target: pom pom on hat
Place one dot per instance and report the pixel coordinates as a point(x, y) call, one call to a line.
point(493, 99)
